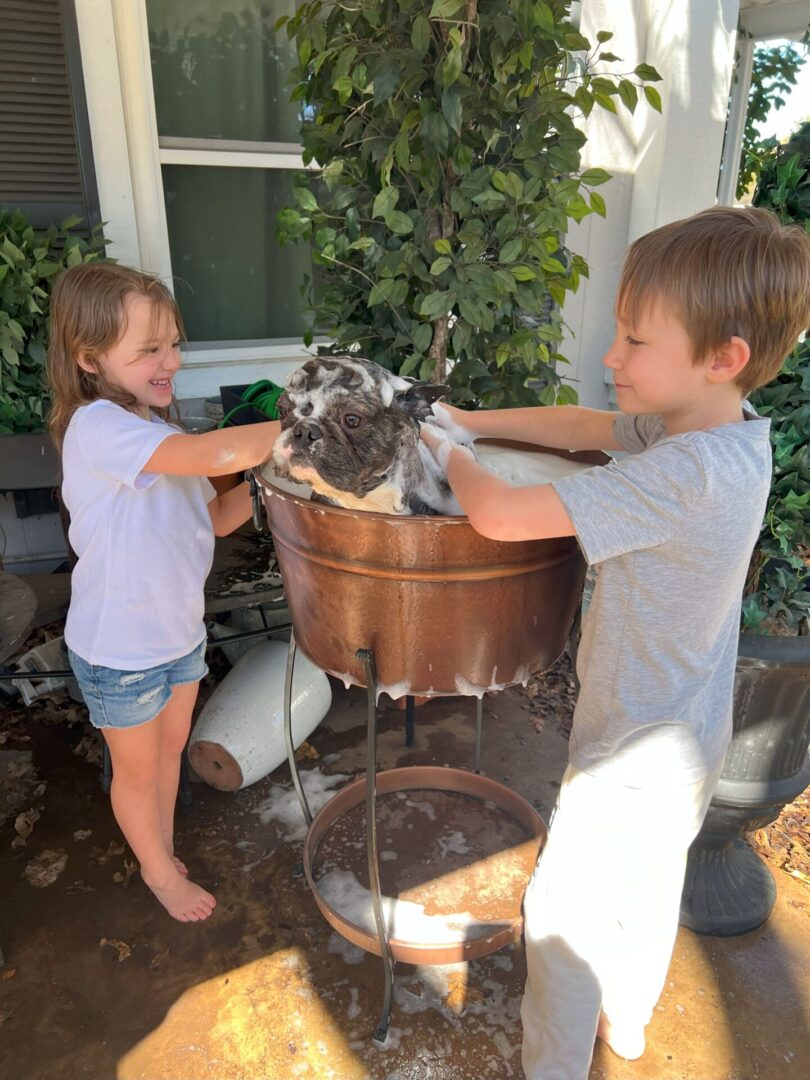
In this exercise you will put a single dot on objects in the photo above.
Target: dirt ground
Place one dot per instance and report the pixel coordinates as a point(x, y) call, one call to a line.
point(100, 983)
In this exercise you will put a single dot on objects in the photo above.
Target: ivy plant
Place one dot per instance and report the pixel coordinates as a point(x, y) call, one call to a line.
point(776, 69)
point(30, 260)
point(447, 135)
point(778, 590)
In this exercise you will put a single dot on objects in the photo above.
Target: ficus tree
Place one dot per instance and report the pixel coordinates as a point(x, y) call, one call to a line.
point(447, 136)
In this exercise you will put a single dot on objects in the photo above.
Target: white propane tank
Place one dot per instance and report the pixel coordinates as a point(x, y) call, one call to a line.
point(239, 734)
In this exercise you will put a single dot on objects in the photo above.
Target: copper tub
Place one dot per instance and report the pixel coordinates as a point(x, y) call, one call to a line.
point(444, 610)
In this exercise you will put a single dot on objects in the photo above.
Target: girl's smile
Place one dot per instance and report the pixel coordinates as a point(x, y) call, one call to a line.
point(145, 359)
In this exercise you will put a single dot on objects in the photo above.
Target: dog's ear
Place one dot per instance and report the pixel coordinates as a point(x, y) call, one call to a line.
point(417, 399)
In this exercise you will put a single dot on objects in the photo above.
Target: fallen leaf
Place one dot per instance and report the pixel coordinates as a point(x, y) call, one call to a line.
point(89, 748)
point(5, 1016)
point(100, 856)
point(9, 973)
point(24, 825)
point(82, 834)
point(124, 950)
point(45, 868)
point(306, 752)
point(157, 960)
point(123, 878)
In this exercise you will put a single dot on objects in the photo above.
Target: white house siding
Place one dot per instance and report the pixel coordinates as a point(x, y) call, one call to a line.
point(665, 167)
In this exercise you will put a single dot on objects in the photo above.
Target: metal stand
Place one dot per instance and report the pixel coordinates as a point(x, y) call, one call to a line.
point(367, 658)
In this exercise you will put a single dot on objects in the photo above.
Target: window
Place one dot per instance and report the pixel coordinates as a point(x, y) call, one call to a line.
point(227, 139)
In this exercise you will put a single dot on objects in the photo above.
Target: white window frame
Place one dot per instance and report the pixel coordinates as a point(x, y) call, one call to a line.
point(129, 156)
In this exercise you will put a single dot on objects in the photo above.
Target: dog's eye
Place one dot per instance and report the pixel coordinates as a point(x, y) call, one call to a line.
point(352, 420)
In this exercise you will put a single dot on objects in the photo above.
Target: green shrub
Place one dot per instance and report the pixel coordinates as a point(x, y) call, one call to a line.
point(777, 597)
point(30, 260)
point(449, 135)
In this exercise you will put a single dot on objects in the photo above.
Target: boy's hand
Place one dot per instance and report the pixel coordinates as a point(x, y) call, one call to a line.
point(440, 443)
point(458, 423)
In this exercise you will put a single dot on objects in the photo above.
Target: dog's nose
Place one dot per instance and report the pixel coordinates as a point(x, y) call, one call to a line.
point(306, 431)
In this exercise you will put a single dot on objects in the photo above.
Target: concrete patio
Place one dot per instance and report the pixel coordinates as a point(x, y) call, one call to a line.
point(100, 983)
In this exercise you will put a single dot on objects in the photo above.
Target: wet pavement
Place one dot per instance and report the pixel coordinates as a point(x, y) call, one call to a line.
point(100, 983)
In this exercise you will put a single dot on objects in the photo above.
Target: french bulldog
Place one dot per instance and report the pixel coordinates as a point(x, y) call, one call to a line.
point(350, 429)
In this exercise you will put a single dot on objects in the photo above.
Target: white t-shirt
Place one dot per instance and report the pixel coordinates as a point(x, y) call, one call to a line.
point(144, 541)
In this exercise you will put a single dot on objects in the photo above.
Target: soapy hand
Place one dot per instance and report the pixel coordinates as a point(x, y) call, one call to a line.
point(458, 423)
point(440, 442)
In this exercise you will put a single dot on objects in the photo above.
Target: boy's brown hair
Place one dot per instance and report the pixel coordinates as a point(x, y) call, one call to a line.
point(88, 317)
point(727, 272)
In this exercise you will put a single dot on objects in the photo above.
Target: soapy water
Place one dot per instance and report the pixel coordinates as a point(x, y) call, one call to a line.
point(518, 468)
point(522, 468)
point(404, 919)
point(283, 807)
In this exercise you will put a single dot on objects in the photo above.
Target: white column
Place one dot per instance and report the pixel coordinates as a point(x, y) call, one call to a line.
point(132, 40)
point(732, 148)
point(105, 107)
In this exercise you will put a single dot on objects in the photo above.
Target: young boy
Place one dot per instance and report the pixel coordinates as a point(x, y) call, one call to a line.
point(707, 309)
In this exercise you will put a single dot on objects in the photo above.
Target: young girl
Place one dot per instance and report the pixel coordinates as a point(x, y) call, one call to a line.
point(143, 521)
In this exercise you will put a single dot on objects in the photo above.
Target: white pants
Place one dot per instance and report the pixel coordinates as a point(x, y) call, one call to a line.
point(601, 914)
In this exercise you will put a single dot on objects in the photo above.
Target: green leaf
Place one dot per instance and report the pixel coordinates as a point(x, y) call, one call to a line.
point(451, 67)
point(385, 202)
point(511, 250)
point(435, 304)
point(653, 97)
point(523, 273)
point(629, 94)
point(544, 17)
point(594, 177)
point(445, 9)
point(399, 223)
point(305, 199)
point(421, 336)
point(603, 36)
point(606, 101)
point(647, 72)
point(451, 108)
point(443, 246)
point(388, 289)
point(440, 265)
point(412, 362)
point(598, 203)
point(420, 34)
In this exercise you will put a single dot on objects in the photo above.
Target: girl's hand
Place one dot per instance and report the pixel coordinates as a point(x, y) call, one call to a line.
point(458, 423)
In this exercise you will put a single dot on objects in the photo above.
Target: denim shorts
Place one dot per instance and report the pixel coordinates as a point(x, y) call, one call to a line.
point(125, 699)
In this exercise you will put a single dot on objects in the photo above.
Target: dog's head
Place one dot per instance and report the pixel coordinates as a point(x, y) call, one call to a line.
point(350, 429)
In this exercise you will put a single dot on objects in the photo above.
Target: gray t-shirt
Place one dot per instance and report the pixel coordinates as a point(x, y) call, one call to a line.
point(671, 527)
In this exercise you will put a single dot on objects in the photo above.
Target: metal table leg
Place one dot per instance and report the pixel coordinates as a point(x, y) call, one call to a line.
point(296, 779)
point(367, 659)
point(479, 724)
point(410, 718)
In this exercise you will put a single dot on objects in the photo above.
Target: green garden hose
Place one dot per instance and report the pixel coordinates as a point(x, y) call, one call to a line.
point(261, 395)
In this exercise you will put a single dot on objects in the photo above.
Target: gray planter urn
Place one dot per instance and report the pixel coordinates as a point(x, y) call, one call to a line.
point(728, 889)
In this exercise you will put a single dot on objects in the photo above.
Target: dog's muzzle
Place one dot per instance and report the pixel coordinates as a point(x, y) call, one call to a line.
point(304, 434)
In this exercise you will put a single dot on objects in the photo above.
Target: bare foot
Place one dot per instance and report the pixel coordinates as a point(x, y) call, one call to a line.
point(184, 900)
point(180, 866)
point(629, 1045)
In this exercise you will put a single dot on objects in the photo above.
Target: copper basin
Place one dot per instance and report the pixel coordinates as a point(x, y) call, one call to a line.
point(444, 610)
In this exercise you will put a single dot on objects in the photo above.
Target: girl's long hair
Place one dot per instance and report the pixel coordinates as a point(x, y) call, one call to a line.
point(88, 316)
